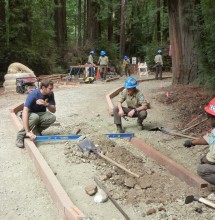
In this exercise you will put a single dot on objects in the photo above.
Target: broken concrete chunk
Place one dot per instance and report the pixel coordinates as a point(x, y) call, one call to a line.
point(91, 190)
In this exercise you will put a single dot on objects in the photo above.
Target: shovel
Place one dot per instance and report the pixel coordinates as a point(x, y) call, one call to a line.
point(88, 145)
point(172, 133)
point(192, 198)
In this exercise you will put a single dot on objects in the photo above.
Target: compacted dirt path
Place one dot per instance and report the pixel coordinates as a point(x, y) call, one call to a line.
point(156, 195)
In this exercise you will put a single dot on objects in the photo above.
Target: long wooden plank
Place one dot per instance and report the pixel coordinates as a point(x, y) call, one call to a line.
point(65, 206)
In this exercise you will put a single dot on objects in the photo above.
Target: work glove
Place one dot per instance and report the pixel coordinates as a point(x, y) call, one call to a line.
point(188, 143)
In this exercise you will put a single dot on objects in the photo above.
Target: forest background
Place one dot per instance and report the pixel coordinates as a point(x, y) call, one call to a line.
point(49, 36)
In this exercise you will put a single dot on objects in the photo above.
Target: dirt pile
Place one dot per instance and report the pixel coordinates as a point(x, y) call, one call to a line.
point(153, 186)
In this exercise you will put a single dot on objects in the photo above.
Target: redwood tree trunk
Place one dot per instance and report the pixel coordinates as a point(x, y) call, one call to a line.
point(79, 23)
point(60, 22)
point(92, 23)
point(122, 29)
point(182, 39)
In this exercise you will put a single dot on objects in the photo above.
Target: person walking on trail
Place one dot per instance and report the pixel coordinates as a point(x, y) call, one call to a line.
point(103, 62)
point(90, 70)
point(136, 105)
point(125, 66)
point(35, 116)
point(158, 64)
point(206, 168)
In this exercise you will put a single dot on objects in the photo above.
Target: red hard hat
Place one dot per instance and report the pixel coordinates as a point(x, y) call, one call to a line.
point(210, 108)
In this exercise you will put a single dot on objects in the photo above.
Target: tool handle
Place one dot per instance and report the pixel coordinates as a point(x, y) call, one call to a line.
point(116, 164)
point(207, 202)
point(177, 134)
point(110, 197)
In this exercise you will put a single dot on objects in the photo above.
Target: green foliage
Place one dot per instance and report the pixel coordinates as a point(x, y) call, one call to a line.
point(206, 45)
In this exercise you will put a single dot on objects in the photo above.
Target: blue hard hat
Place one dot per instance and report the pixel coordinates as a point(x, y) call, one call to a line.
point(92, 52)
point(102, 53)
point(131, 83)
point(159, 51)
point(125, 57)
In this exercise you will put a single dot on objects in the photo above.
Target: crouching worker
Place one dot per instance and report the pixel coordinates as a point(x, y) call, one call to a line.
point(34, 113)
point(206, 168)
point(136, 103)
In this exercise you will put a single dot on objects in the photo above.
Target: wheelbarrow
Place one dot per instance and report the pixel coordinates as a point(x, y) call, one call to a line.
point(88, 145)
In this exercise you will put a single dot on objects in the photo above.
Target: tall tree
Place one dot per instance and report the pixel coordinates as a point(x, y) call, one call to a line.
point(60, 22)
point(183, 37)
point(122, 28)
point(79, 23)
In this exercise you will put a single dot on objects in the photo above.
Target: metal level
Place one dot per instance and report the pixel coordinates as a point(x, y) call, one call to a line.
point(74, 137)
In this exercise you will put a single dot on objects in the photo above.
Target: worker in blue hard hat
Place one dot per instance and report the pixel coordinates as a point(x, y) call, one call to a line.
point(158, 64)
point(125, 66)
point(136, 105)
point(103, 62)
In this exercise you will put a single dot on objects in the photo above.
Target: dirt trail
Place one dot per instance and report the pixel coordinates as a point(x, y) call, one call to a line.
point(85, 107)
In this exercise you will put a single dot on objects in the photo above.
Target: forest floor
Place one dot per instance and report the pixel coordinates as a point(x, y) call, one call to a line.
point(155, 195)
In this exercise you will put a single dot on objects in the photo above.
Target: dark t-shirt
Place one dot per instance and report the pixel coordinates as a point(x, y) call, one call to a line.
point(34, 96)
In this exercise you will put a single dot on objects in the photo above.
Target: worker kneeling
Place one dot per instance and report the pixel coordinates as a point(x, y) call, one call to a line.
point(137, 105)
point(35, 116)
point(206, 168)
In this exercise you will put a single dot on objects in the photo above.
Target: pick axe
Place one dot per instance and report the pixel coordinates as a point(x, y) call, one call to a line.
point(192, 198)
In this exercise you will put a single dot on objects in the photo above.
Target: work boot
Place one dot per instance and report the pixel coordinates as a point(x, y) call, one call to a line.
point(139, 125)
point(20, 143)
point(120, 129)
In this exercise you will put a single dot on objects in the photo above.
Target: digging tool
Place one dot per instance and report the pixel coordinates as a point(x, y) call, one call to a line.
point(192, 198)
point(186, 129)
point(110, 197)
point(88, 145)
point(193, 120)
point(172, 133)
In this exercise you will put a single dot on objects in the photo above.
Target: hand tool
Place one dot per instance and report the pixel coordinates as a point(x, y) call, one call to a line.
point(172, 133)
point(192, 198)
point(76, 136)
point(111, 198)
point(88, 145)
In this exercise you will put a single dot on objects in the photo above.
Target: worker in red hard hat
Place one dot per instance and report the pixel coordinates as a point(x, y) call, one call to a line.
point(206, 168)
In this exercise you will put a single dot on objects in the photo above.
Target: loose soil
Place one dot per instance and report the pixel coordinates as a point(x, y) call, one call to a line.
point(155, 195)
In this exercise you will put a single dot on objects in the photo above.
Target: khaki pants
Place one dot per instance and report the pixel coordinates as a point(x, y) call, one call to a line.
point(158, 68)
point(140, 115)
point(103, 71)
point(41, 121)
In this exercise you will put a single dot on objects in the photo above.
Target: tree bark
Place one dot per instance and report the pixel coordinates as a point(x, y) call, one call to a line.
point(158, 21)
point(182, 39)
point(2, 23)
point(122, 29)
point(92, 23)
point(60, 22)
point(79, 23)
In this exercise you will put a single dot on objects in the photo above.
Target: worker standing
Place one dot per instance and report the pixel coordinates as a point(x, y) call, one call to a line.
point(136, 105)
point(103, 62)
point(34, 115)
point(91, 63)
point(158, 64)
point(206, 168)
point(126, 65)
